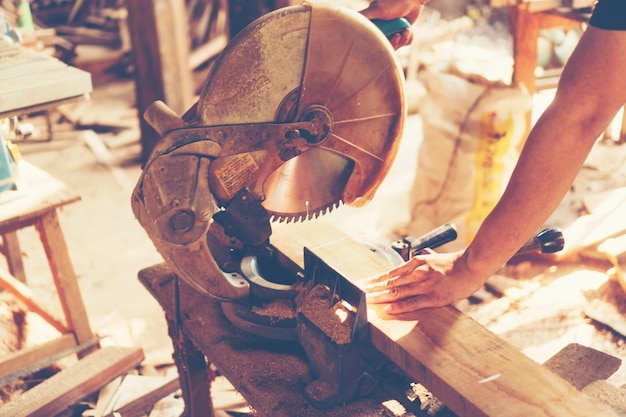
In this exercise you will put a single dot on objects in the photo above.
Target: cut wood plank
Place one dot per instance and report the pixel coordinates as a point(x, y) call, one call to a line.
point(581, 365)
point(471, 370)
point(71, 384)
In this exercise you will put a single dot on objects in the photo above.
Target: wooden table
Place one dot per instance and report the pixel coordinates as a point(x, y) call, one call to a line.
point(32, 81)
point(36, 205)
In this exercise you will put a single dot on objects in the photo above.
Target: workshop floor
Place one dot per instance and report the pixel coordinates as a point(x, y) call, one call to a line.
point(108, 247)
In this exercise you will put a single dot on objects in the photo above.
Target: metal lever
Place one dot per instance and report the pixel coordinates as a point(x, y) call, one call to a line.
point(410, 246)
point(548, 240)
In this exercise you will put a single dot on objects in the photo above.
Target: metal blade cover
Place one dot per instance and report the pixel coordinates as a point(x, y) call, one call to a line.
point(293, 64)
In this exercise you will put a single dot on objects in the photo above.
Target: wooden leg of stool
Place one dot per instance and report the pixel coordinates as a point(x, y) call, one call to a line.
point(194, 374)
point(13, 253)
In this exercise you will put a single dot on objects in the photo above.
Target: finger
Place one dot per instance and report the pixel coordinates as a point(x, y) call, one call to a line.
point(403, 269)
point(393, 293)
point(406, 38)
point(407, 305)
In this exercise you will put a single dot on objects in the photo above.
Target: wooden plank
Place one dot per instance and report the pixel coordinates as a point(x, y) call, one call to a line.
point(64, 277)
point(471, 370)
point(158, 32)
point(71, 384)
point(29, 78)
point(13, 253)
point(15, 361)
point(21, 291)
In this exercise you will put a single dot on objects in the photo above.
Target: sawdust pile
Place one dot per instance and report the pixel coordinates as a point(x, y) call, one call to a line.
point(280, 308)
point(332, 316)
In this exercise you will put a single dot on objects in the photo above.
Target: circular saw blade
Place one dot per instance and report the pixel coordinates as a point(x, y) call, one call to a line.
point(313, 56)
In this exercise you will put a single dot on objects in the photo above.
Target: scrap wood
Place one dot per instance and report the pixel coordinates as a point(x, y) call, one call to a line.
point(581, 365)
point(588, 370)
point(67, 387)
point(609, 394)
point(170, 406)
point(605, 220)
point(608, 313)
point(138, 393)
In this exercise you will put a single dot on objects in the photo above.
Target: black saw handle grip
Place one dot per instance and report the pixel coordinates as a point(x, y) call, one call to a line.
point(410, 246)
point(548, 240)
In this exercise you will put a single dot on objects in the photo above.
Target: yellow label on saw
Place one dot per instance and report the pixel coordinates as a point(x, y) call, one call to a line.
point(237, 172)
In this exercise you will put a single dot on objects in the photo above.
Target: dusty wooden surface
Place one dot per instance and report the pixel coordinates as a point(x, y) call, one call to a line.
point(41, 193)
point(271, 375)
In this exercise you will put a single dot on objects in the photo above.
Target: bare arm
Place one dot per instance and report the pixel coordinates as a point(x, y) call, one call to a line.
point(591, 90)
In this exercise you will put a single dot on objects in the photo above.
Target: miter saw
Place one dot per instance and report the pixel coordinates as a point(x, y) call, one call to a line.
point(301, 112)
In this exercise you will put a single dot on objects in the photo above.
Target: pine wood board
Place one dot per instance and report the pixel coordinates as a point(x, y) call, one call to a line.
point(471, 370)
point(73, 383)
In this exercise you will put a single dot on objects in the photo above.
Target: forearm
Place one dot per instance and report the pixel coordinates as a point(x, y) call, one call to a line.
point(591, 90)
point(542, 177)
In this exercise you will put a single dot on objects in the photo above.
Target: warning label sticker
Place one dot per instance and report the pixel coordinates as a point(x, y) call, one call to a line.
point(236, 173)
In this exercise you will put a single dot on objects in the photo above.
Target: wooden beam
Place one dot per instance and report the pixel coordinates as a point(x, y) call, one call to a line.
point(471, 370)
point(13, 253)
point(65, 388)
point(158, 32)
point(23, 293)
point(15, 361)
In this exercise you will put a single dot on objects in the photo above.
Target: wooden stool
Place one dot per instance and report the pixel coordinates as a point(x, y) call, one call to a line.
point(37, 206)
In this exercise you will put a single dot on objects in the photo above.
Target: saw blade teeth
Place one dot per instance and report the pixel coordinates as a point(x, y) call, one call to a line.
point(305, 216)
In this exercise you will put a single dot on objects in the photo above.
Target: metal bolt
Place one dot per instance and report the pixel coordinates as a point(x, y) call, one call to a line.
point(182, 221)
point(292, 134)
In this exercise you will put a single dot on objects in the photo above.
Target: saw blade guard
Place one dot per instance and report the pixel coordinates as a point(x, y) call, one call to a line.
point(313, 62)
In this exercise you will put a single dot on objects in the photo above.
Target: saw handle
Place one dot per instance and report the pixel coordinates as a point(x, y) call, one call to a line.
point(410, 246)
point(548, 240)
point(393, 26)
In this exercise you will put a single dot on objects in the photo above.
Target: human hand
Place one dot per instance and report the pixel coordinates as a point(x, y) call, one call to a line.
point(432, 280)
point(394, 9)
